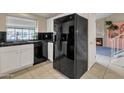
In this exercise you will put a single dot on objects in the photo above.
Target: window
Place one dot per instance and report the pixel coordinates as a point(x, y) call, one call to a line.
point(20, 28)
point(14, 34)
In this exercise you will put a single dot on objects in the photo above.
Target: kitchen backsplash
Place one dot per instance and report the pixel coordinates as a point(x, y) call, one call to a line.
point(41, 36)
point(46, 36)
point(2, 36)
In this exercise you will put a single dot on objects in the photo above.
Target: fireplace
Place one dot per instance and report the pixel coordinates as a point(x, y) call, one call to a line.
point(99, 41)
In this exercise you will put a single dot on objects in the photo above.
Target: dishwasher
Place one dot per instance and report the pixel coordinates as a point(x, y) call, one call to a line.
point(40, 52)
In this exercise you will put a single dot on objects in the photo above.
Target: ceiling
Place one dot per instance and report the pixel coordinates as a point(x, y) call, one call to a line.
point(47, 15)
point(102, 15)
point(98, 15)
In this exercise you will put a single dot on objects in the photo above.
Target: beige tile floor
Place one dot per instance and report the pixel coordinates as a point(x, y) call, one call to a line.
point(103, 69)
point(111, 71)
point(40, 71)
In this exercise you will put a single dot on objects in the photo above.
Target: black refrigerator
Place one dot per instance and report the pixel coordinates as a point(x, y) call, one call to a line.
point(71, 45)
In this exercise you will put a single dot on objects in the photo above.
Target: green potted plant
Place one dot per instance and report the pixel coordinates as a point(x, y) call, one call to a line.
point(112, 27)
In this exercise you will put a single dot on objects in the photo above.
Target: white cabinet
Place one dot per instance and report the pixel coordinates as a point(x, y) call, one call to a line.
point(9, 60)
point(13, 58)
point(26, 55)
point(50, 51)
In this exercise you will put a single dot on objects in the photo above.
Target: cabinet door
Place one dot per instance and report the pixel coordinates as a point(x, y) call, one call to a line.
point(26, 55)
point(9, 60)
point(50, 51)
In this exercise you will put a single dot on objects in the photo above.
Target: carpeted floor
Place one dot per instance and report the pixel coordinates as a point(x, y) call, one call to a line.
point(105, 51)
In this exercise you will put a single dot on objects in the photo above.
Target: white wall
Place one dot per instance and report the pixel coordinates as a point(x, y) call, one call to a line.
point(2, 22)
point(91, 40)
point(116, 17)
point(100, 30)
point(91, 35)
point(42, 24)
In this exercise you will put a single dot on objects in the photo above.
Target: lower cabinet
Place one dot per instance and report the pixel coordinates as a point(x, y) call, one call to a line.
point(9, 60)
point(26, 56)
point(50, 51)
point(13, 58)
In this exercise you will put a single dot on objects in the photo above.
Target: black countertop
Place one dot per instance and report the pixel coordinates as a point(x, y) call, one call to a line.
point(3, 44)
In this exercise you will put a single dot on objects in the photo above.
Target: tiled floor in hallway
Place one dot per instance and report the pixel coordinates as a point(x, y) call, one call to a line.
point(103, 69)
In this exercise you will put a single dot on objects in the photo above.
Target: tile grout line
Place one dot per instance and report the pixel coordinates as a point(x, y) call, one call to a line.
point(106, 69)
